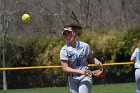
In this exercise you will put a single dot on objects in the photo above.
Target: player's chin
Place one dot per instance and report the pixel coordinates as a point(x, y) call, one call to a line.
point(69, 39)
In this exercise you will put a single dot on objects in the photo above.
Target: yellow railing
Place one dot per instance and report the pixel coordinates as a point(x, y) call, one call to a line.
point(37, 67)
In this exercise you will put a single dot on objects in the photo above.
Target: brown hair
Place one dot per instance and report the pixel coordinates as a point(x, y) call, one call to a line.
point(139, 44)
point(77, 28)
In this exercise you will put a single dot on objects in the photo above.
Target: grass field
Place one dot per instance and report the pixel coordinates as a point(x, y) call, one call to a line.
point(108, 88)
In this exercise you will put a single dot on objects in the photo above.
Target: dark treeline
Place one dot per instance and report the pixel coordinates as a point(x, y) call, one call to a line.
point(48, 16)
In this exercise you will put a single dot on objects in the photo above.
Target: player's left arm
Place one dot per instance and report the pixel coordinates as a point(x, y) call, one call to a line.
point(92, 59)
point(100, 71)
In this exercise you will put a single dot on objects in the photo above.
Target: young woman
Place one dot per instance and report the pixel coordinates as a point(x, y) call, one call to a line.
point(136, 59)
point(74, 57)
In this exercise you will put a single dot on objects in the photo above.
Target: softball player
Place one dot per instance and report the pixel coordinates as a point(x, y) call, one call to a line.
point(136, 59)
point(74, 58)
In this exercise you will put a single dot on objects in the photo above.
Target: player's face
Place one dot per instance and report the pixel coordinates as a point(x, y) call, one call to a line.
point(69, 35)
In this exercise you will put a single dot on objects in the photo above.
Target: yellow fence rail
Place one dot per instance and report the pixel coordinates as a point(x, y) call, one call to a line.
point(37, 67)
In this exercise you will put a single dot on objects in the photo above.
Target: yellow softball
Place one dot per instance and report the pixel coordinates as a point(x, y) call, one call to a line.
point(25, 18)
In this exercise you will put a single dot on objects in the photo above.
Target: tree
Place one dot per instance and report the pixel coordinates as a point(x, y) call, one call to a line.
point(4, 29)
point(4, 26)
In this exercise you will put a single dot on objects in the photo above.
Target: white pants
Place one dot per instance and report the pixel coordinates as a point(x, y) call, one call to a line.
point(83, 85)
point(137, 77)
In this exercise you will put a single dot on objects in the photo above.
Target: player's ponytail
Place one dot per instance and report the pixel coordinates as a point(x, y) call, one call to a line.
point(139, 44)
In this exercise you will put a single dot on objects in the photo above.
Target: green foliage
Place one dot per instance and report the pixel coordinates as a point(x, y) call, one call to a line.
point(132, 37)
point(108, 45)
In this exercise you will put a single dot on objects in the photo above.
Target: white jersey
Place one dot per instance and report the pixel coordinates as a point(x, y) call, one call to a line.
point(76, 57)
point(136, 54)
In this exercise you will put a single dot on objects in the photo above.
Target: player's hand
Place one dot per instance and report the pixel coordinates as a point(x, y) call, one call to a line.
point(85, 72)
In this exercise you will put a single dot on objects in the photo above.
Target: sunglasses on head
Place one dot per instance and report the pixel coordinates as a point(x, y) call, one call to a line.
point(66, 32)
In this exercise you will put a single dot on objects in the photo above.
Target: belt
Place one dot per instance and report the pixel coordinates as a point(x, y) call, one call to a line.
point(136, 68)
point(74, 75)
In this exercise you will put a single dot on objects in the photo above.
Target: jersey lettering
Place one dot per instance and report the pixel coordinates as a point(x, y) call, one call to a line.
point(78, 62)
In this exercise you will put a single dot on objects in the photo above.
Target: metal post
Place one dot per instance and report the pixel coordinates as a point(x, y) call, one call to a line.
point(3, 60)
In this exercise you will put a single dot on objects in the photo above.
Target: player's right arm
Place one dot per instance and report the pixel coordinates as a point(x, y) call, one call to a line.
point(70, 70)
point(133, 57)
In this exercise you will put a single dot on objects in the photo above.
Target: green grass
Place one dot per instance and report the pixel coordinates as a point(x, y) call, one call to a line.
point(115, 88)
point(108, 88)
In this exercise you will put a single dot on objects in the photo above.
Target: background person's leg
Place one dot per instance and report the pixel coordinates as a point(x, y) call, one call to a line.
point(137, 79)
